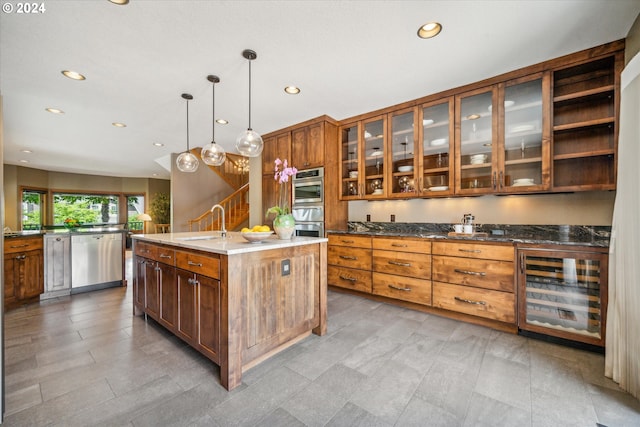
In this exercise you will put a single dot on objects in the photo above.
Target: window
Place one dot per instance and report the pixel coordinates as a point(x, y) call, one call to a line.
point(86, 208)
point(33, 203)
point(135, 208)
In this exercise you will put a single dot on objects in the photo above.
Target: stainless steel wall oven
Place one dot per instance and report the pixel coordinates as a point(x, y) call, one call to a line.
point(308, 202)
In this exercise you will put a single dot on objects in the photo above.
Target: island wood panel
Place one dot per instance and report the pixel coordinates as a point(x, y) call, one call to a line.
point(276, 307)
point(168, 296)
point(187, 297)
point(488, 274)
point(208, 312)
point(152, 290)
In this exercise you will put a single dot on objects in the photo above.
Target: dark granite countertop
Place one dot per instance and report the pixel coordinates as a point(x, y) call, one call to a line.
point(577, 235)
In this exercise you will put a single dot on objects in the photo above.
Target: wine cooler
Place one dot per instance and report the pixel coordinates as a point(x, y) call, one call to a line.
point(563, 293)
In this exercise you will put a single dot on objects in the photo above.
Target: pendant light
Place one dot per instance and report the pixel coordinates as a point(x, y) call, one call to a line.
point(186, 161)
point(249, 143)
point(213, 154)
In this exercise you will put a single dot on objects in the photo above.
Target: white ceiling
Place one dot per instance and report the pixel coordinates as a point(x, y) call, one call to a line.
point(348, 57)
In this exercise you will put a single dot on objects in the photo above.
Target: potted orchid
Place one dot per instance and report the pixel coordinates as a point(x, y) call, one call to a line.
point(284, 223)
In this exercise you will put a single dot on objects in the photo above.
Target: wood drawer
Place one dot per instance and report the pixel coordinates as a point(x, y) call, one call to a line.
point(494, 305)
point(402, 288)
point(402, 263)
point(475, 250)
point(207, 265)
point(14, 245)
point(349, 257)
point(488, 274)
point(399, 244)
point(350, 241)
point(144, 249)
point(358, 280)
point(165, 255)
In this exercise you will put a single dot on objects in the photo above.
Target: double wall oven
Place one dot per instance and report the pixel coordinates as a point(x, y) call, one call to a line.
point(308, 202)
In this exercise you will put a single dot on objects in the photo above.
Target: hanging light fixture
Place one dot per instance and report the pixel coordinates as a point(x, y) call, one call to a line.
point(249, 143)
point(186, 161)
point(213, 154)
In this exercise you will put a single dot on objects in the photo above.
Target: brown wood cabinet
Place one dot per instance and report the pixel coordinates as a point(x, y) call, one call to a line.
point(476, 279)
point(23, 269)
point(549, 127)
point(349, 262)
point(307, 146)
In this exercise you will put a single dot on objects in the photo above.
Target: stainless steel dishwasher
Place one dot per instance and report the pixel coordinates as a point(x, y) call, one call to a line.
point(96, 261)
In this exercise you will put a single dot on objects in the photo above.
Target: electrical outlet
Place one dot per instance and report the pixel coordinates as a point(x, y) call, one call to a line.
point(368, 218)
point(285, 267)
point(393, 218)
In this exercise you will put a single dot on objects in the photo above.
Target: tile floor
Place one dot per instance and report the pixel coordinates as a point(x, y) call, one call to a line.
point(85, 361)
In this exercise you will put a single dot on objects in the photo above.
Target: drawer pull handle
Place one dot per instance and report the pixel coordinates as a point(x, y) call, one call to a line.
point(468, 301)
point(352, 258)
point(401, 264)
point(21, 256)
point(472, 273)
point(195, 264)
point(398, 245)
point(398, 288)
point(165, 256)
point(193, 282)
point(347, 241)
point(157, 268)
point(351, 279)
point(26, 245)
point(473, 251)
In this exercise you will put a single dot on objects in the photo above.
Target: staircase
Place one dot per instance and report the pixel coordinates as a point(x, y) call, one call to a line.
point(236, 209)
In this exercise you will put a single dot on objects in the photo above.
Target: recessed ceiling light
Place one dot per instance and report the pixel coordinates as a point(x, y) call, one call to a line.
point(54, 110)
point(430, 29)
point(119, 2)
point(158, 144)
point(26, 151)
point(73, 75)
point(292, 90)
point(155, 174)
point(24, 161)
point(473, 116)
point(119, 125)
point(222, 121)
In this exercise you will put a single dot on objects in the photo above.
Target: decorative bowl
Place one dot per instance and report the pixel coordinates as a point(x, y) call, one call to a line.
point(478, 159)
point(405, 168)
point(256, 236)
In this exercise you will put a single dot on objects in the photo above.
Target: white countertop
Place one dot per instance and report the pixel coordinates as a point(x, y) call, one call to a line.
point(234, 243)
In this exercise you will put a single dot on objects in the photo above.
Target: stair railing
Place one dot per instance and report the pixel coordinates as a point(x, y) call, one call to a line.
point(236, 208)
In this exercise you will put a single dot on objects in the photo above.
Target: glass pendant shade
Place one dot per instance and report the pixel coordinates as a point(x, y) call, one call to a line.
point(187, 162)
point(249, 143)
point(213, 154)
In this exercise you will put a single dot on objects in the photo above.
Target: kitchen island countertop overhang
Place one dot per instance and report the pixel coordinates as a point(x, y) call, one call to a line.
point(234, 301)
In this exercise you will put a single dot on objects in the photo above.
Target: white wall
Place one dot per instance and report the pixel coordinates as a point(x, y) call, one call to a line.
point(587, 208)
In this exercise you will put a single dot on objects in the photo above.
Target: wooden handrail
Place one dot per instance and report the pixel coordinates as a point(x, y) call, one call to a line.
point(236, 208)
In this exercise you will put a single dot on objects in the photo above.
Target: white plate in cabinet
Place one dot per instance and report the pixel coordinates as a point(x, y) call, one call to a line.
point(485, 303)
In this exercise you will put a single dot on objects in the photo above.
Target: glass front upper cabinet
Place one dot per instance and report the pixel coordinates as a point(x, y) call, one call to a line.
point(437, 161)
point(373, 155)
point(349, 161)
point(526, 140)
point(402, 150)
point(476, 160)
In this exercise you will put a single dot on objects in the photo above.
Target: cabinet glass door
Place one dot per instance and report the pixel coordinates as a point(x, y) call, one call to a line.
point(523, 137)
point(562, 294)
point(349, 155)
point(475, 139)
point(437, 161)
point(402, 152)
point(374, 157)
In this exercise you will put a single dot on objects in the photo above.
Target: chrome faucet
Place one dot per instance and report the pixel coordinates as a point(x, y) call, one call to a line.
point(224, 230)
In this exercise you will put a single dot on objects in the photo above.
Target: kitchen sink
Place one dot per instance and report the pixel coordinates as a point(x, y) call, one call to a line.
point(197, 238)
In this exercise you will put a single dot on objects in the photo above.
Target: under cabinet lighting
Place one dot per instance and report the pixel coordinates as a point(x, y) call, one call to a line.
point(73, 75)
point(54, 110)
point(24, 161)
point(429, 30)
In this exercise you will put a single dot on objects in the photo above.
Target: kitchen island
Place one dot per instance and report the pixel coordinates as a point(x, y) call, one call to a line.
point(235, 302)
